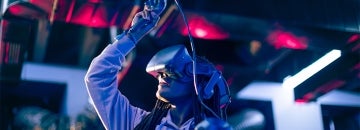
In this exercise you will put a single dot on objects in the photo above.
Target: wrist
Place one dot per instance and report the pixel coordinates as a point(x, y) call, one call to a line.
point(124, 43)
point(127, 33)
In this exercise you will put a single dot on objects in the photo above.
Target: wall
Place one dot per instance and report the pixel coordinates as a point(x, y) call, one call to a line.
point(289, 115)
point(76, 94)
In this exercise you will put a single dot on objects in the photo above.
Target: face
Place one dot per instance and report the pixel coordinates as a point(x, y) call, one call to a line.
point(171, 89)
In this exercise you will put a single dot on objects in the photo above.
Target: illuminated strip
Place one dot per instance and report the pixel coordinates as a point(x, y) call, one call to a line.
point(71, 10)
point(309, 71)
point(4, 4)
point(53, 9)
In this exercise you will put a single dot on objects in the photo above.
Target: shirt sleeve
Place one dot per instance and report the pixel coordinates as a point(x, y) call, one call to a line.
point(113, 108)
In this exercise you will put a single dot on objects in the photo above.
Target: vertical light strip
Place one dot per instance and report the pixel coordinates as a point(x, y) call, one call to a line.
point(53, 9)
point(293, 81)
point(4, 6)
point(71, 11)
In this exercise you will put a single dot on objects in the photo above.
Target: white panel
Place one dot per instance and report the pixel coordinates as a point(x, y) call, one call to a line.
point(76, 94)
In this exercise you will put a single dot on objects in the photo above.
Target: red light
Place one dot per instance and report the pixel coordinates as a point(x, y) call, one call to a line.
point(46, 5)
point(357, 66)
point(305, 99)
point(26, 10)
point(283, 39)
point(92, 15)
point(300, 101)
point(201, 28)
point(83, 15)
point(354, 38)
point(200, 32)
point(16, 10)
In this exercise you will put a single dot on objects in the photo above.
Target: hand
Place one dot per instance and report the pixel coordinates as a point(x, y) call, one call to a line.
point(155, 6)
point(146, 20)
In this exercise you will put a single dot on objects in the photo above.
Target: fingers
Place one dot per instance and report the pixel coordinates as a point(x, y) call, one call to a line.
point(156, 6)
point(155, 2)
point(144, 15)
point(152, 2)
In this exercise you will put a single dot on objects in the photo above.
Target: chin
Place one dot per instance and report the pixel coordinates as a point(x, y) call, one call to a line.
point(161, 97)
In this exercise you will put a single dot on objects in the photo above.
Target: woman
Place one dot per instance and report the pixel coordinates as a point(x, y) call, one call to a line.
point(179, 105)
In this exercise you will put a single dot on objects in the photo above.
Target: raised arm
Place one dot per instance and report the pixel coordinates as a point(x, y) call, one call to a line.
point(112, 107)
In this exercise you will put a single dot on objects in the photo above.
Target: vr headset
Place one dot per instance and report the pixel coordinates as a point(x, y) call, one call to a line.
point(175, 60)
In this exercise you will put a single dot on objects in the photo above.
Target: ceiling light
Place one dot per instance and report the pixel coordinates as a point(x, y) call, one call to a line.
point(293, 81)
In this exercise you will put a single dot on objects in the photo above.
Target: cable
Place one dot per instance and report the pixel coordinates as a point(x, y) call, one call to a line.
point(194, 60)
point(191, 43)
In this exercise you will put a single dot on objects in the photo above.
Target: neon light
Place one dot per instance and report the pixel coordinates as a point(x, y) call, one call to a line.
point(71, 10)
point(292, 82)
point(199, 32)
point(200, 27)
point(281, 39)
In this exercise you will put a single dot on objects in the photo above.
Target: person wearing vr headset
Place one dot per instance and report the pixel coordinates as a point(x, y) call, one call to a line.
point(184, 101)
